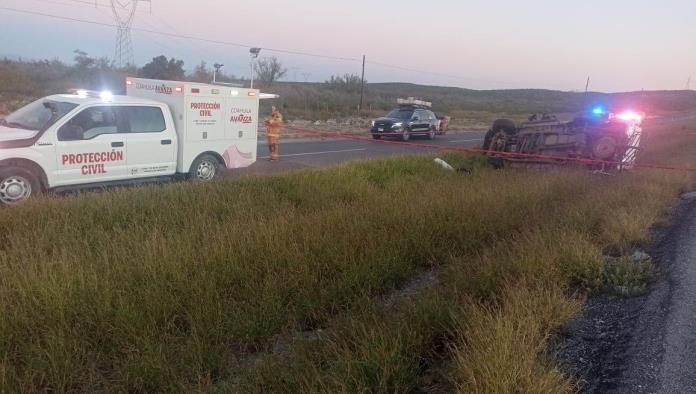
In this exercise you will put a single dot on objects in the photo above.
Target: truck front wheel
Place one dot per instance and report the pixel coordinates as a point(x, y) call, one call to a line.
point(17, 185)
point(204, 168)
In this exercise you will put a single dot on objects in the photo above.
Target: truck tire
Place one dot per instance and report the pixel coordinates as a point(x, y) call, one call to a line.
point(17, 185)
point(501, 125)
point(377, 136)
point(406, 135)
point(432, 132)
point(205, 168)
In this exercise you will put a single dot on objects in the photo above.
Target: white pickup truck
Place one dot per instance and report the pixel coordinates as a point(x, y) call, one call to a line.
point(160, 129)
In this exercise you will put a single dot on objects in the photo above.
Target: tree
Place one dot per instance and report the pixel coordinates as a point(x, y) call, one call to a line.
point(269, 70)
point(163, 68)
point(201, 73)
point(96, 73)
point(349, 83)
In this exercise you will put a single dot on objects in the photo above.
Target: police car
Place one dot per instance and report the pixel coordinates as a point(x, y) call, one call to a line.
point(412, 117)
point(159, 130)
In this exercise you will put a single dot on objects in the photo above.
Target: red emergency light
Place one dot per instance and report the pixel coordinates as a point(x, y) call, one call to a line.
point(630, 116)
point(129, 82)
point(179, 89)
point(195, 90)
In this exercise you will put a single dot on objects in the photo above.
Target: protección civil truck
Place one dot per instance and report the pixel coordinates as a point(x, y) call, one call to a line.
point(158, 130)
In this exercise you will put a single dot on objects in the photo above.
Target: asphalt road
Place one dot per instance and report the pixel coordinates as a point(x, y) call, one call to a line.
point(646, 344)
point(662, 353)
point(316, 153)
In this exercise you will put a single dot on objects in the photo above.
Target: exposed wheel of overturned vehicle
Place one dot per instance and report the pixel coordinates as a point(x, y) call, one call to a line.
point(496, 140)
point(499, 133)
point(604, 148)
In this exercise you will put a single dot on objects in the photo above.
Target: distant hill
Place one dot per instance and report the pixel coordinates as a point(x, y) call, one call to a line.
point(22, 81)
point(322, 101)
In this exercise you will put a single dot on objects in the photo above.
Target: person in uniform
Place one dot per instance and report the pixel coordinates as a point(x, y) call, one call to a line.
point(273, 124)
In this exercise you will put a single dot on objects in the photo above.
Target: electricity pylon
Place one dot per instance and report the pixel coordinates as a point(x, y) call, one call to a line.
point(124, 13)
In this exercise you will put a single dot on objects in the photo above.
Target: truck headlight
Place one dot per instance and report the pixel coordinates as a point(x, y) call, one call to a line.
point(397, 125)
point(372, 123)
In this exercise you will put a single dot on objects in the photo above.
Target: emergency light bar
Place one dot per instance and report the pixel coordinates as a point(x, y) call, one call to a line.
point(104, 95)
point(630, 116)
point(414, 102)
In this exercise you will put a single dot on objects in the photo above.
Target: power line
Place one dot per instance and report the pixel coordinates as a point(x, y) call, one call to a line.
point(413, 70)
point(188, 37)
point(241, 45)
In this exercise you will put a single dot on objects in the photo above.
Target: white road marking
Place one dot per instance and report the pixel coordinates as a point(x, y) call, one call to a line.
point(318, 153)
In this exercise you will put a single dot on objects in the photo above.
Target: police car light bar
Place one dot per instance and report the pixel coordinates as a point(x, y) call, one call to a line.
point(630, 116)
point(414, 102)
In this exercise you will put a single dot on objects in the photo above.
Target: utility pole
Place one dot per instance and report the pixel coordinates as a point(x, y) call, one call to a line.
point(216, 71)
point(362, 87)
point(688, 83)
point(124, 12)
point(306, 76)
point(254, 53)
point(587, 85)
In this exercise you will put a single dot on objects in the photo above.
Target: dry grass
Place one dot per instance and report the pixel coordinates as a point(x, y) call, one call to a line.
point(500, 348)
point(191, 287)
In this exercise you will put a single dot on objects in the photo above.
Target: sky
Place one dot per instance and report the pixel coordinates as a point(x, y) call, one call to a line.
point(622, 45)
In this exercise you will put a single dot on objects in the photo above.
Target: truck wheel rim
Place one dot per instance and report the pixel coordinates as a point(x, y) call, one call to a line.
point(206, 171)
point(498, 142)
point(14, 190)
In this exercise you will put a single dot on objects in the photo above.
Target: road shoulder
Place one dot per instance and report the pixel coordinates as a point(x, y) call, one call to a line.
point(635, 345)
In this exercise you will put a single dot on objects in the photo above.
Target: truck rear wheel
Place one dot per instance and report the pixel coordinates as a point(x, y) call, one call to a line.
point(17, 185)
point(204, 168)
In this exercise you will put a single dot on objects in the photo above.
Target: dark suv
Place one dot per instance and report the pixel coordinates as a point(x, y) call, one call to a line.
point(405, 122)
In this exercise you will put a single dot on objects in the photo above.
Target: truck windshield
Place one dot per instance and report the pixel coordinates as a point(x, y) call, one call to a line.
point(38, 116)
point(404, 114)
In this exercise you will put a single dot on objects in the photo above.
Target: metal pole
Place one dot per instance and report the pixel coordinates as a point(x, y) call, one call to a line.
point(254, 53)
point(587, 85)
point(362, 86)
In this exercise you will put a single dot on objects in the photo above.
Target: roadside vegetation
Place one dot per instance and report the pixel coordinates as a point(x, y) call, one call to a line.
point(336, 98)
point(300, 282)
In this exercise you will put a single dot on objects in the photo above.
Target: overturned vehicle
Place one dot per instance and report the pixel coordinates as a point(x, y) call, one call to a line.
point(596, 139)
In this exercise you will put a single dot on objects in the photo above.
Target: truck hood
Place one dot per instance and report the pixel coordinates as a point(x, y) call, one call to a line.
point(12, 134)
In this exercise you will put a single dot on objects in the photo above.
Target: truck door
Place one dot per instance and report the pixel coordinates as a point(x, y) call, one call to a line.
point(91, 147)
point(152, 143)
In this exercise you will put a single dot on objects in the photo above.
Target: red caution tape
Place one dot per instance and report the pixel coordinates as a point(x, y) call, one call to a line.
point(336, 134)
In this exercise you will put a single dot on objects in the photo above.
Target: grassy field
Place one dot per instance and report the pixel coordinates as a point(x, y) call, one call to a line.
point(293, 283)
